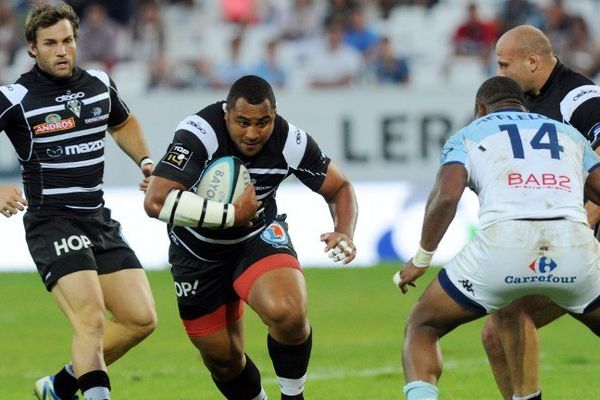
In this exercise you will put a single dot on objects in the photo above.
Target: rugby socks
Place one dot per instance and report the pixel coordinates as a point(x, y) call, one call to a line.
point(95, 385)
point(290, 363)
point(420, 390)
point(533, 396)
point(65, 383)
point(247, 383)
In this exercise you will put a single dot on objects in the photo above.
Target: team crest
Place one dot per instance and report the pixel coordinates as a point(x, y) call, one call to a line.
point(275, 234)
point(75, 107)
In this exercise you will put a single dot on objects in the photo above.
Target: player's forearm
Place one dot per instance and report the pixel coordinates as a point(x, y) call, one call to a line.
point(130, 139)
point(439, 213)
point(344, 210)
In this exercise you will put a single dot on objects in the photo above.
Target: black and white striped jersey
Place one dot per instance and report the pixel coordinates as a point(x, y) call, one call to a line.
point(58, 128)
point(569, 97)
point(203, 137)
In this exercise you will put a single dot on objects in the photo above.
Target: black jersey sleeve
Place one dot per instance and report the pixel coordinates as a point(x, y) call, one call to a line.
point(312, 169)
point(586, 119)
point(119, 111)
point(184, 160)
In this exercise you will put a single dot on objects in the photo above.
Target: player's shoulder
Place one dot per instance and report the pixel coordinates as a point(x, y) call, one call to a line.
point(14, 92)
point(98, 74)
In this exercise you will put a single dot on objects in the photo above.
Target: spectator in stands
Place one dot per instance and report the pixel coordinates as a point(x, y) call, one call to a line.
point(300, 21)
point(386, 7)
point(9, 39)
point(475, 37)
point(580, 51)
point(359, 35)
point(519, 12)
point(270, 69)
point(97, 38)
point(333, 63)
point(339, 10)
point(149, 42)
point(386, 66)
point(557, 24)
point(229, 71)
point(241, 11)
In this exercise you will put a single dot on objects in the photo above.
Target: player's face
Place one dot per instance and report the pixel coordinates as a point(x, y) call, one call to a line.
point(250, 125)
point(512, 65)
point(55, 49)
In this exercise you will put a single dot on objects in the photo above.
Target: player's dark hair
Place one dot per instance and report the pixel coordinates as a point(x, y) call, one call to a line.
point(45, 15)
point(252, 88)
point(500, 89)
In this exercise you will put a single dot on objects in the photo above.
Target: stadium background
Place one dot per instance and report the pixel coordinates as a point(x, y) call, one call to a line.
point(385, 135)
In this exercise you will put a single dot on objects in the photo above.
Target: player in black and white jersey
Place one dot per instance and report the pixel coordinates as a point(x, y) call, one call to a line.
point(252, 260)
point(56, 117)
point(525, 54)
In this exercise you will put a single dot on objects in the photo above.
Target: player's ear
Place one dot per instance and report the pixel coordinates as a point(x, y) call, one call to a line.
point(533, 62)
point(480, 110)
point(31, 49)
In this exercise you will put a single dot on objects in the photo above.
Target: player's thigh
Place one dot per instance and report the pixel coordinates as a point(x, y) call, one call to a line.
point(78, 294)
point(128, 297)
point(269, 275)
point(540, 309)
point(437, 309)
point(222, 347)
point(58, 246)
point(590, 319)
point(206, 299)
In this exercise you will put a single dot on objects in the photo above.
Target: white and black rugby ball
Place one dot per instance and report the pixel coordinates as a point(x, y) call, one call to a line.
point(223, 180)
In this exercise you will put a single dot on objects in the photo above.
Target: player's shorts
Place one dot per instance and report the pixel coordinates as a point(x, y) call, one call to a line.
point(209, 293)
point(511, 259)
point(62, 243)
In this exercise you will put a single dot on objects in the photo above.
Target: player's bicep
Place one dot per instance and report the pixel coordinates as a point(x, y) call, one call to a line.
point(334, 181)
point(451, 181)
point(183, 161)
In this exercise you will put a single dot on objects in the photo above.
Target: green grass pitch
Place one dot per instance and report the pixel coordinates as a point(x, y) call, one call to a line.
point(358, 319)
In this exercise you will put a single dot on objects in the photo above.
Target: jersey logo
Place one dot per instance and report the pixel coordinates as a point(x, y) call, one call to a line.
point(55, 152)
point(275, 234)
point(96, 116)
point(75, 107)
point(54, 124)
point(69, 96)
point(543, 264)
point(177, 156)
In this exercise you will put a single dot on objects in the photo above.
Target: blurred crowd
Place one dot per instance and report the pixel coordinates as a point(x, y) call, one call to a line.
point(291, 43)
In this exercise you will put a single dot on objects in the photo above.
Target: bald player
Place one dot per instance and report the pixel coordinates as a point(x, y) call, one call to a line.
point(525, 54)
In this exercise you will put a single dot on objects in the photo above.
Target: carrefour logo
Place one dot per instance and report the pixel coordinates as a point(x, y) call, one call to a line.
point(543, 264)
point(542, 267)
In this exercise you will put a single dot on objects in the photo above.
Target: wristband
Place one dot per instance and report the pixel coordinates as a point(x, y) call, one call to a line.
point(423, 258)
point(145, 161)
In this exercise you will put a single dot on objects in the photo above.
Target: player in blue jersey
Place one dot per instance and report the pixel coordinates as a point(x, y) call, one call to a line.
point(529, 172)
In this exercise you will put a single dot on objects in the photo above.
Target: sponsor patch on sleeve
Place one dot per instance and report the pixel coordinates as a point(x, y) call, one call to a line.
point(594, 135)
point(177, 156)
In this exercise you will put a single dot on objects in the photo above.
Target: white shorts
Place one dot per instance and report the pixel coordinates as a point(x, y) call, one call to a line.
point(511, 259)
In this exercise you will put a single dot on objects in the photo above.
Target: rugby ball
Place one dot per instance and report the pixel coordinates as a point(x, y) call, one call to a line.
point(223, 180)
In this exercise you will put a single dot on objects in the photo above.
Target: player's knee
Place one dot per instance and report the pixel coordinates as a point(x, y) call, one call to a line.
point(143, 324)
point(90, 323)
point(224, 367)
point(491, 340)
point(286, 315)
